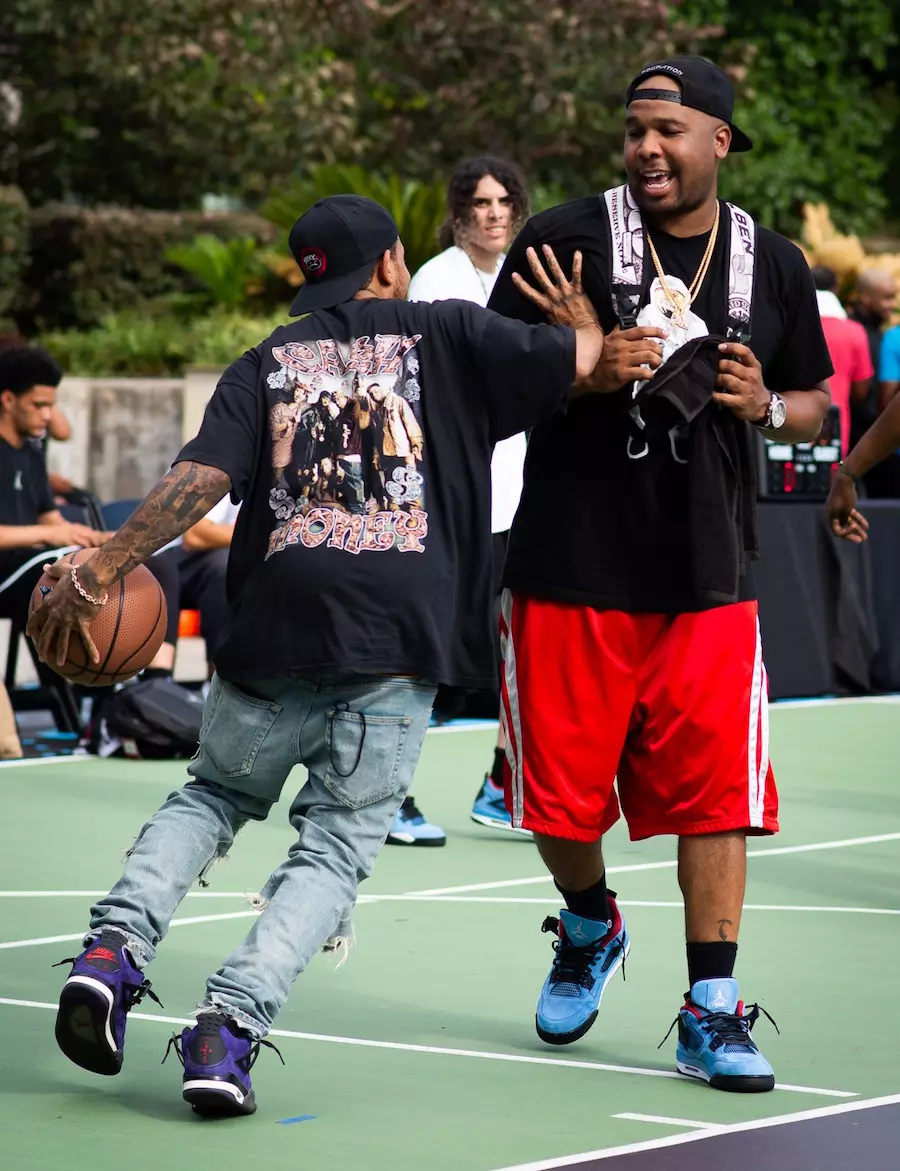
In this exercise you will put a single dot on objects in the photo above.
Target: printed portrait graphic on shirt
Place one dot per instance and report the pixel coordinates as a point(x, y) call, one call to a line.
point(347, 445)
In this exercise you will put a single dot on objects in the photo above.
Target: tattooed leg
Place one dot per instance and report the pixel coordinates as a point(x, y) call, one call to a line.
point(712, 872)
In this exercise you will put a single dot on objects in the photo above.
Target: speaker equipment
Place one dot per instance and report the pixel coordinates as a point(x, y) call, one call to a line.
point(799, 471)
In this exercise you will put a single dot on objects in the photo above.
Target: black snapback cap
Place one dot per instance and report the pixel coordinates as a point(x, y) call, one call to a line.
point(702, 86)
point(335, 244)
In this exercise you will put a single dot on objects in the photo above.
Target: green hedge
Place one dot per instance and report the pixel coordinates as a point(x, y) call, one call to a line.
point(13, 245)
point(144, 345)
point(85, 264)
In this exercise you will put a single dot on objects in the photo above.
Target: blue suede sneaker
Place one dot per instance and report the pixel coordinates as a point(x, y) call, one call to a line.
point(102, 988)
point(714, 1042)
point(490, 809)
point(217, 1057)
point(588, 954)
point(411, 829)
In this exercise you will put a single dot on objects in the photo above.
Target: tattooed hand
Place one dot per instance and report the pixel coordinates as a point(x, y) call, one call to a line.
point(181, 498)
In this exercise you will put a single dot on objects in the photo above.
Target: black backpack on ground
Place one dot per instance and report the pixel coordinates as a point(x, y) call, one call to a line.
point(156, 719)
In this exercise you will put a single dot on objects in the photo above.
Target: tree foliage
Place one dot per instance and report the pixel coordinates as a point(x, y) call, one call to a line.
point(153, 104)
point(109, 101)
point(815, 94)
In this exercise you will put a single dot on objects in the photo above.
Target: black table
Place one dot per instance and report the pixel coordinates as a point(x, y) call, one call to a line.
point(828, 609)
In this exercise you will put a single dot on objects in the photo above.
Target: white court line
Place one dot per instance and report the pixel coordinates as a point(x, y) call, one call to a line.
point(549, 899)
point(809, 848)
point(661, 1120)
point(69, 758)
point(778, 851)
point(78, 936)
point(677, 1140)
point(441, 1051)
point(98, 894)
point(798, 704)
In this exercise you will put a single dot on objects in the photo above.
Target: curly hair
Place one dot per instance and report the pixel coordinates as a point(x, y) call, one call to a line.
point(24, 367)
point(461, 188)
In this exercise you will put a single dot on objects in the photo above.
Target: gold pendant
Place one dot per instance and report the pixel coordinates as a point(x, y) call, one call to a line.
point(679, 304)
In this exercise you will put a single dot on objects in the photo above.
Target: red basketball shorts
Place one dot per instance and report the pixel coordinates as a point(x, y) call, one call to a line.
point(671, 710)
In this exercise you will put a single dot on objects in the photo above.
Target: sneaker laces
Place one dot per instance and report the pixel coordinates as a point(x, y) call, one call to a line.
point(410, 811)
point(248, 1062)
point(572, 965)
point(731, 1029)
point(134, 993)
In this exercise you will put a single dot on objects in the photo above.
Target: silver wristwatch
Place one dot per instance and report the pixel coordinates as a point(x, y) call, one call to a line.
point(776, 415)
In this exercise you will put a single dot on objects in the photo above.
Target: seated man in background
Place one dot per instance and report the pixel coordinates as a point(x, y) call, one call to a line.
point(58, 426)
point(32, 530)
point(192, 576)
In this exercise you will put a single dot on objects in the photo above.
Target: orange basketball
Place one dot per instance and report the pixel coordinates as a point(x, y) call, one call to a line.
point(128, 630)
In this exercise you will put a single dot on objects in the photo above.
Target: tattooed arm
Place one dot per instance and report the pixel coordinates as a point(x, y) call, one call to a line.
point(179, 500)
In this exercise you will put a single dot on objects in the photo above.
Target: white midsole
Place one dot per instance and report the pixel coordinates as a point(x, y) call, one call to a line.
point(692, 1071)
point(98, 986)
point(228, 1087)
point(496, 823)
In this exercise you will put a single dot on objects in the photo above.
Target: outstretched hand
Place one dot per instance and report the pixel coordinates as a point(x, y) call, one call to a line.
point(563, 300)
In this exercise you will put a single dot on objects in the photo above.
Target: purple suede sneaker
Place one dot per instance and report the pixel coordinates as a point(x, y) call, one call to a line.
point(217, 1057)
point(103, 986)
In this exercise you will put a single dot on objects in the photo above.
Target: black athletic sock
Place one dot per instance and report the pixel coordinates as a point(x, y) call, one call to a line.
point(497, 770)
point(155, 673)
point(710, 961)
point(592, 903)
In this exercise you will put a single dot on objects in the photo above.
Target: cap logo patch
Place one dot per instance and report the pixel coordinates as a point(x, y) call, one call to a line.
point(673, 69)
point(313, 262)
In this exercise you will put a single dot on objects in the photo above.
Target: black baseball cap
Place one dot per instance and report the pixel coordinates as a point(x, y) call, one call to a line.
point(703, 86)
point(335, 244)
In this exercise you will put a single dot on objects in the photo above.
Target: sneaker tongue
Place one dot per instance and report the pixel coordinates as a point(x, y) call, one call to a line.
point(580, 931)
point(716, 995)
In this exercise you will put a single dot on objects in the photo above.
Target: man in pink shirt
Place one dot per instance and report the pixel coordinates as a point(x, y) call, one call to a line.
point(849, 350)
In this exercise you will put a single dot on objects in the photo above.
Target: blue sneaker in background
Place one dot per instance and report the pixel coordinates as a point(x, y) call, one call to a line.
point(490, 809)
point(411, 829)
point(714, 1042)
point(102, 988)
point(588, 955)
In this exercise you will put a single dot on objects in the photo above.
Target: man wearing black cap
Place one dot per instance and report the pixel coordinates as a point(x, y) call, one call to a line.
point(344, 614)
point(630, 594)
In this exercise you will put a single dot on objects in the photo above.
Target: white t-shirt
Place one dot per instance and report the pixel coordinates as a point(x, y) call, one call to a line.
point(224, 513)
point(453, 276)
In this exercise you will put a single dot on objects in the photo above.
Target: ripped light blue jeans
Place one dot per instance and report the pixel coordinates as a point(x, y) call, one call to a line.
point(360, 739)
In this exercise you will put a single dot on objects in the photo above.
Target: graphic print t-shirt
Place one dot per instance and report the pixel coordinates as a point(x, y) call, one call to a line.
point(25, 494)
point(359, 441)
point(603, 519)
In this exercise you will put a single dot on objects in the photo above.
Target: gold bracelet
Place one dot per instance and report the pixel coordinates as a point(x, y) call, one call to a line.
point(87, 597)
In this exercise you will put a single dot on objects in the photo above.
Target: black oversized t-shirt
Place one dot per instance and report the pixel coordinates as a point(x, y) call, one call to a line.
point(25, 494)
point(603, 519)
point(360, 441)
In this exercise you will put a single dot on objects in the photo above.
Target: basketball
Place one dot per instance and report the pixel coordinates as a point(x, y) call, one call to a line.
point(128, 630)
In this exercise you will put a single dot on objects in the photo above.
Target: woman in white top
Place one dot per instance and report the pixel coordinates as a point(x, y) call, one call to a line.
point(487, 203)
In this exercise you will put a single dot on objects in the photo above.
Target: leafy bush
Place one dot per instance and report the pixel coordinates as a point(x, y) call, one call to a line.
point(143, 345)
point(418, 208)
point(13, 245)
point(229, 270)
point(85, 264)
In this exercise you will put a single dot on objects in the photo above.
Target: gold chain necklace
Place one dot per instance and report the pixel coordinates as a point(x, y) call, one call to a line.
point(680, 303)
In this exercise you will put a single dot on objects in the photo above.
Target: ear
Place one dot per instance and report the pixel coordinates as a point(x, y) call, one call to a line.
point(386, 267)
point(722, 140)
point(7, 400)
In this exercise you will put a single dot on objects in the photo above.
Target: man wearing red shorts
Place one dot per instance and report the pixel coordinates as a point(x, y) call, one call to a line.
point(632, 646)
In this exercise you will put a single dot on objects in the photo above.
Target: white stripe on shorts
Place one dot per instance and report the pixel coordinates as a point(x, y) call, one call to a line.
point(753, 735)
point(510, 713)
